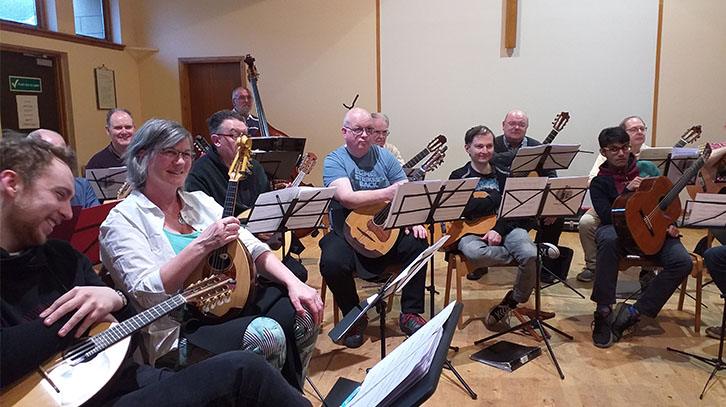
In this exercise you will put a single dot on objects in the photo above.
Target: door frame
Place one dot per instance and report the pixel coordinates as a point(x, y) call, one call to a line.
point(184, 89)
point(62, 84)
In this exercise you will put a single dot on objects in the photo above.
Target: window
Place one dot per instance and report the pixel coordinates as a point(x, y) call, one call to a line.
point(89, 16)
point(19, 11)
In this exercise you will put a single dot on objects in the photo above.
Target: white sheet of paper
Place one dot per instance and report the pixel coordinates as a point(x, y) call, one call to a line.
point(28, 115)
point(270, 208)
point(681, 160)
point(570, 191)
point(561, 156)
point(455, 196)
point(412, 198)
point(414, 355)
point(706, 210)
point(522, 196)
point(527, 158)
point(407, 274)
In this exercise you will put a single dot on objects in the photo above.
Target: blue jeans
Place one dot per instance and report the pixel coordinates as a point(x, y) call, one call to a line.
point(672, 256)
point(517, 246)
point(715, 260)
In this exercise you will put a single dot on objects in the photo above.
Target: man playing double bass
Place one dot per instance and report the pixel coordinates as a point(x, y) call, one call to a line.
point(243, 100)
point(619, 175)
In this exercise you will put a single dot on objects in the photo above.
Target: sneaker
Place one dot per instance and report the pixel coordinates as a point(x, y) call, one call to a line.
point(477, 274)
point(354, 337)
point(714, 332)
point(586, 275)
point(623, 320)
point(602, 335)
point(410, 323)
point(500, 311)
point(549, 251)
point(645, 277)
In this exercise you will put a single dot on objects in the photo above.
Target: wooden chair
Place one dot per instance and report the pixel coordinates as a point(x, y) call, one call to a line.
point(696, 272)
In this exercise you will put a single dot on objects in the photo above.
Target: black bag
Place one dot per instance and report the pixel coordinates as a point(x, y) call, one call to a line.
point(559, 266)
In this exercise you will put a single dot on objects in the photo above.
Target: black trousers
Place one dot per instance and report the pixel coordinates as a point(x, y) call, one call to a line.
point(338, 261)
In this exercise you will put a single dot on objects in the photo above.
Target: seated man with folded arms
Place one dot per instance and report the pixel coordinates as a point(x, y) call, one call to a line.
point(635, 127)
point(620, 175)
point(50, 296)
point(508, 240)
point(366, 174)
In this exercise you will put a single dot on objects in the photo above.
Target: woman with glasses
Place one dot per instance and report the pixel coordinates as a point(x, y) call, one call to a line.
point(153, 240)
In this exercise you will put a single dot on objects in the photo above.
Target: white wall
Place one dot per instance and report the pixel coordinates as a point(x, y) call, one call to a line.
point(444, 70)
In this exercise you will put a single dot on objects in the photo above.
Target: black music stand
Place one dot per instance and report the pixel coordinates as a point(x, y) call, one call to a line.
point(718, 363)
point(419, 391)
point(532, 199)
point(278, 155)
point(377, 300)
point(544, 157)
point(106, 182)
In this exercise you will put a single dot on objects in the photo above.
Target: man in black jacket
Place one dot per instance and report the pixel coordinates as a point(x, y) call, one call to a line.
point(50, 295)
point(620, 175)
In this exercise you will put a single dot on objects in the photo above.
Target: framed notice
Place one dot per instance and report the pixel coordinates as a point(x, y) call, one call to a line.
point(105, 88)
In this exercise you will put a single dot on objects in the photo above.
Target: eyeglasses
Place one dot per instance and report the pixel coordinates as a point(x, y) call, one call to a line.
point(233, 136)
point(637, 129)
point(173, 154)
point(615, 150)
point(517, 124)
point(359, 130)
point(243, 97)
point(380, 133)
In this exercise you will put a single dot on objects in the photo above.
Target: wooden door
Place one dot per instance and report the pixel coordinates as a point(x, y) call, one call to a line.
point(35, 77)
point(206, 87)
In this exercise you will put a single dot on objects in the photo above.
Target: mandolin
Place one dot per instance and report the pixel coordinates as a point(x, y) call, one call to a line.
point(73, 376)
point(431, 147)
point(641, 218)
point(363, 228)
point(252, 75)
point(232, 260)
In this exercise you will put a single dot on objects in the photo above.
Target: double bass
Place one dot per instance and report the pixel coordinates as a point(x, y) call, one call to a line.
point(265, 129)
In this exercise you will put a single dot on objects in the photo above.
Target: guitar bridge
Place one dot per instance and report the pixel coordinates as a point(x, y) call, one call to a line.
point(648, 225)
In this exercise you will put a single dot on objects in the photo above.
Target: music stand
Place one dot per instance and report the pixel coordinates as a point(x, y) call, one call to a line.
point(106, 182)
point(85, 235)
point(530, 198)
point(679, 161)
point(544, 157)
point(413, 393)
point(660, 156)
point(427, 202)
point(377, 299)
point(278, 155)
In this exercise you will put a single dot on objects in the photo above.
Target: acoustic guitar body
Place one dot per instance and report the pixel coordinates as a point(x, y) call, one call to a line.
point(705, 183)
point(641, 235)
point(235, 262)
point(76, 384)
point(365, 236)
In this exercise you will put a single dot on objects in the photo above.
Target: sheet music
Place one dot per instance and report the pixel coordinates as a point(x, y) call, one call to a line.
point(658, 155)
point(405, 365)
point(706, 210)
point(106, 181)
point(565, 196)
point(527, 158)
point(270, 208)
point(455, 196)
point(681, 159)
point(414, 196)
point(522, 196)
point(560, 156)
point(407, 274)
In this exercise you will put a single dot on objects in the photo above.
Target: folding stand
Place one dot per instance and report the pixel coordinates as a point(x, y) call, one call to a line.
point(278, 155)
point(106, 182)
point(532, 197)
point(717, 362)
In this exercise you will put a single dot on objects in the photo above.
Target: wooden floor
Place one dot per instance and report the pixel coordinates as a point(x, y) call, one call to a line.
point(635, 371)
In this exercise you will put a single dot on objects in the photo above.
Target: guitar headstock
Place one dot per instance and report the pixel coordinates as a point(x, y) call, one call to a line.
point(692, 134)
point(705, 151)
point(436, 143)
point(251, 69)
point(560, 121)
point(201, 144)
point(307, 163)
point(239, 166)
point(210, 291)
point(435, 160)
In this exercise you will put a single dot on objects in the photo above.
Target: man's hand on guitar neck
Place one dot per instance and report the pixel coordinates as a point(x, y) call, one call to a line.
point(91, 304)
point(634, 184)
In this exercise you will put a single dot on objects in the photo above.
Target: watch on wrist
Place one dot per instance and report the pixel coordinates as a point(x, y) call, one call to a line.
point(123, 298)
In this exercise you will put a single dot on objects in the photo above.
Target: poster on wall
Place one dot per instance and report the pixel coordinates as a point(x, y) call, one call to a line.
point(28, 117)
point(105, 88)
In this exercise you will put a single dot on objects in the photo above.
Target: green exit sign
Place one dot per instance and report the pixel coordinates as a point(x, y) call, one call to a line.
point(25, 84)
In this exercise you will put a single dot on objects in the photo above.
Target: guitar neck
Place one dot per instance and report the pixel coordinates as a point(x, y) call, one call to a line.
point(131, 325)
point(550, 137)
point(230, 198)
point(681, 183)
point(416, 159)
point(298, 180)
point(680, 143)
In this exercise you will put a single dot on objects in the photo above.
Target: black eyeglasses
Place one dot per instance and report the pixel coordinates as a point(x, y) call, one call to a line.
point(233, 136)
point(173, 154)
point(359, 130)
point(615, 150)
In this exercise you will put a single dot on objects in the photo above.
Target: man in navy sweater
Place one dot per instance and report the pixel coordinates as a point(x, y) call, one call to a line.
point(620, 175)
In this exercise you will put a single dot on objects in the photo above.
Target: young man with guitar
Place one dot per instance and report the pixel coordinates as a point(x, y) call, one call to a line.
point(209, 174)
point(50, 295)
point(365, 175)
point(508, 240)
point(620, 175)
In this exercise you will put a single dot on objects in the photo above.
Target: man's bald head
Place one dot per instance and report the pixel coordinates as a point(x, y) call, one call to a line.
point(49, 136)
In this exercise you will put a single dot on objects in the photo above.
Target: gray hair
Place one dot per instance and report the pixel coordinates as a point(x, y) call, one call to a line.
point(153, 136)
point(116, 110)
point(381, 116)
point(625, 120)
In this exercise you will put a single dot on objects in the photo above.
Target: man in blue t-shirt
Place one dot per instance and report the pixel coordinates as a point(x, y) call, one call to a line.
point(366, 174)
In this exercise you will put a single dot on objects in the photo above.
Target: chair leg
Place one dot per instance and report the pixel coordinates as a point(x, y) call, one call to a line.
point(450, 267)
point(336, 316)
point(699, 294)
point(682, 294)
point(460, 265)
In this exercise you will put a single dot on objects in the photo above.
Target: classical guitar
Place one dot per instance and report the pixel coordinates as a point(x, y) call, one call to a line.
point(201, 145)
point(363, 227)
point(73, 376)
point(252, 75)
point(691, 134)
point(458, 228)
point(641, 218)
point(431, 147)
point(232, 260)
